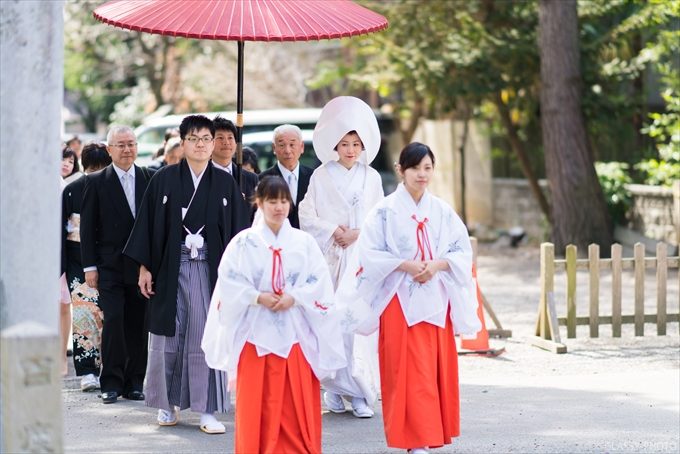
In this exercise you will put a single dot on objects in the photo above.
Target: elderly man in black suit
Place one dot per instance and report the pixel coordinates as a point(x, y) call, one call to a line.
point(288, 147)
point(111, 198)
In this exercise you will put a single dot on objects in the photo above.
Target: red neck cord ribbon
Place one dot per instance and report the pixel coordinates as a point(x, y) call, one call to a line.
point(278, 281)
point(422, 239)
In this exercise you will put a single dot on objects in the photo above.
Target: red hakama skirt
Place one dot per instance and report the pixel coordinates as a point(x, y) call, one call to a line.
point(418, 381)
point(278, 405)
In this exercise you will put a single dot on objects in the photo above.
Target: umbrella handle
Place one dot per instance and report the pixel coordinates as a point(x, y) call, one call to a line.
point(239, 110)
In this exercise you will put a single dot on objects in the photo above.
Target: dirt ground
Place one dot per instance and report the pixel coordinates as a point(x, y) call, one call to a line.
point(605, 395)
point(509, 278)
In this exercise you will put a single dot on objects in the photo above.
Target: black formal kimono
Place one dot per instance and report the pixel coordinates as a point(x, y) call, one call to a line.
point(248, 182)
point(303, 183)
point(158, 234)
point(105, 224)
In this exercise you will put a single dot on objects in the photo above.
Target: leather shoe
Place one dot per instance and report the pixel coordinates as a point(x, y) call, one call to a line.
point(134, 395)
point(109, 397)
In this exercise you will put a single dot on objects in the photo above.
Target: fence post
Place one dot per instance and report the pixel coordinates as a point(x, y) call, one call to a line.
point(661, 275)
point(571, 254)
point(639, 254)
point(547, 286)
point(546, 307)
point(616, 289)
point(594, 269)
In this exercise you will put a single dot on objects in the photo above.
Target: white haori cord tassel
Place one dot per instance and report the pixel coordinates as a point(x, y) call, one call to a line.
point(194, 241)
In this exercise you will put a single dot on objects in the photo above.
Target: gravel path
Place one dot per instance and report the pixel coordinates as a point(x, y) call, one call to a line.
point(605, 395)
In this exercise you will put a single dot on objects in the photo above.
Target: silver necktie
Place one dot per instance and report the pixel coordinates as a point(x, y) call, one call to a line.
point(129, 192)
point(292, 186)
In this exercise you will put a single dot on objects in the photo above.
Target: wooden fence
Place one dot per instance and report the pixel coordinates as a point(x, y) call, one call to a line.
point(547, 332)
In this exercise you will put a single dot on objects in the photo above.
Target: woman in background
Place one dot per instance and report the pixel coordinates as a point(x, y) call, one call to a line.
point(87, 317)
point(250, 160)
point(70, 169)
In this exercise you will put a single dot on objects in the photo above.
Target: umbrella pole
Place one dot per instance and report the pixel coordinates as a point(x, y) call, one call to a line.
point(239, 112)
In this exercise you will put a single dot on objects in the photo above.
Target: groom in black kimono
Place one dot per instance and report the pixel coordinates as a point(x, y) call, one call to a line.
point(189, 213)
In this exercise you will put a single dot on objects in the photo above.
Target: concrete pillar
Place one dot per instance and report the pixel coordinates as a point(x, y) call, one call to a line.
point(31, 91)
point(444, 137)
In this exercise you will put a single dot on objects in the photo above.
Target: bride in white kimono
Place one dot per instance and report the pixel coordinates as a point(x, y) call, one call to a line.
point(341, 191)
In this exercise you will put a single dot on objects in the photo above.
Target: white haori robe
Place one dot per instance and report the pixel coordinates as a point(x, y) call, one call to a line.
point(338, 196)
point(390, 235)
point(234, 318)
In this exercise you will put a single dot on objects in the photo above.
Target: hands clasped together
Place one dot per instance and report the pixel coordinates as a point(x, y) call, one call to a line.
point(423, 270)
point(275, 302)
point(344, 236)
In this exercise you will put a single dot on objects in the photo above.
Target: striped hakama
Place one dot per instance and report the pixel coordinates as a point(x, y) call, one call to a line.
point(177, 374)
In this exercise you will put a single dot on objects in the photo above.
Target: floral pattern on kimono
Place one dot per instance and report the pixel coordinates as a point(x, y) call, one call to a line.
point(388, 238)
point(88, 321)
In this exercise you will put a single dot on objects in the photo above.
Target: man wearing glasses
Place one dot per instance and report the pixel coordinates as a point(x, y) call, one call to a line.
point(189, 213)
point(111, 200)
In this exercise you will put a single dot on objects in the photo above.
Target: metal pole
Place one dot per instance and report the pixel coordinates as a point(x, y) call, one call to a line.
point(239, 112)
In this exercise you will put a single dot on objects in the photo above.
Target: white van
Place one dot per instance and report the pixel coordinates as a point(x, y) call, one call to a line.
point(150, 135)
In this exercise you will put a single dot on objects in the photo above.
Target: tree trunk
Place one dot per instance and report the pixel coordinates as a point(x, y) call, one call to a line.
point(579, 213)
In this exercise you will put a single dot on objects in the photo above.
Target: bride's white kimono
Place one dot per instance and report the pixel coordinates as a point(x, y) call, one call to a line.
point(234, 318)
point(337, 196)
point(396, 230)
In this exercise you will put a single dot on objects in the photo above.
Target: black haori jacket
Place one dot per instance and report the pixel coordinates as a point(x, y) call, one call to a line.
point(158, 233)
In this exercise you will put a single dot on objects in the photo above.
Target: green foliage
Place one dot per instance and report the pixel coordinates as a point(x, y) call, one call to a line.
point(440, 56)
point(105, 65)
point(659, 172)
point(665, 127)
point(613, 177)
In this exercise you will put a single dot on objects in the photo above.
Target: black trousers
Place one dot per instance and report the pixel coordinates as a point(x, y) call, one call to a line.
point(124, 337)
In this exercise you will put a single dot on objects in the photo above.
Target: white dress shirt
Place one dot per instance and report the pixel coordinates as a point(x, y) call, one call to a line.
point(291, 178)
point(228, 168)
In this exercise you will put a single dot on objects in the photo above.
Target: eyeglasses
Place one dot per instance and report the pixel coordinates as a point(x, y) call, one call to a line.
point(123, 146)
point(193, 140)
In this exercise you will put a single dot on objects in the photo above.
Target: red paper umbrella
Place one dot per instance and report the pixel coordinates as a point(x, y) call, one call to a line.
point(243, 20)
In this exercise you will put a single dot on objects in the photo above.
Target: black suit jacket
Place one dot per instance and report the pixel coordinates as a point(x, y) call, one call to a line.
point(71, 200)
point(248, 182)
point(106, 222)
point(303, 183)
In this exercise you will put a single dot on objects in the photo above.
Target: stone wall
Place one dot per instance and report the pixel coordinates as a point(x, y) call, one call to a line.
point(654, 212)
point(515, 205)
point(445, 138)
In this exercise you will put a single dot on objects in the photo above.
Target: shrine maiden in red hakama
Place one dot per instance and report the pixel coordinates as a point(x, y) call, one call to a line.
point(412, 281)
point(275, 358)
